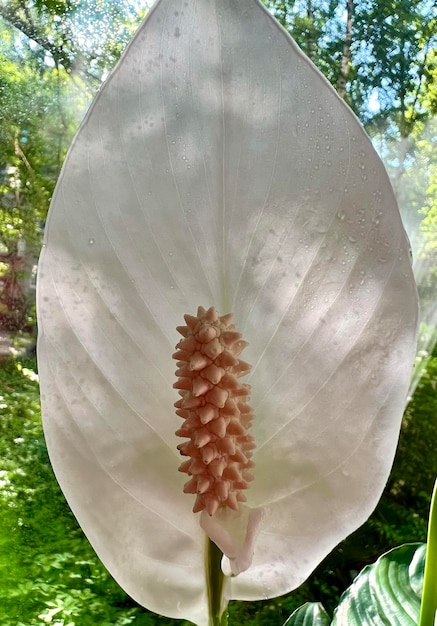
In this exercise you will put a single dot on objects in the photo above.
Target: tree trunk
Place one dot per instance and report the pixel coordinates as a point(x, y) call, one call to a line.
point(347, 56)
point(311, 49)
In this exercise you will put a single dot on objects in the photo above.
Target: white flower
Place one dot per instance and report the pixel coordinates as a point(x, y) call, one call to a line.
point(217, 167)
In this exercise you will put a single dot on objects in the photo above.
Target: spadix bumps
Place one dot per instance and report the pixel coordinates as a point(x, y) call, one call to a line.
point(214, 407)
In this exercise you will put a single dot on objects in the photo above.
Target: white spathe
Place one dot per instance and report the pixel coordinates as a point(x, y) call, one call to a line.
point(217, 167)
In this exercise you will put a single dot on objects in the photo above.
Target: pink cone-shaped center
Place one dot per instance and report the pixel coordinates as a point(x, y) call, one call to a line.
point(214, 408)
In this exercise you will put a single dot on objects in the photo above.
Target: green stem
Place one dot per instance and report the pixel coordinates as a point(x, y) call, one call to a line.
point(218, 615)
point(429, 594)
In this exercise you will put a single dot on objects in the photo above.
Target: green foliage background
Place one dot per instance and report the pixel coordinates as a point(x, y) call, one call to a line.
point(53, 56)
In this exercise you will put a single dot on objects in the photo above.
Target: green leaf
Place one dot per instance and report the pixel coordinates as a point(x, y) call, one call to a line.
point(309, 614)
point(386, 592)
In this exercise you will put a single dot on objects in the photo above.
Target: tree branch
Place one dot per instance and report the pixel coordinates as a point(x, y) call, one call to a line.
point(28, 28)
point(71, 60)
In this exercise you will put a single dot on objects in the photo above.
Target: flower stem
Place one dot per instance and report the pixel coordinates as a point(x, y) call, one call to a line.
point(429, 594)
point(215, 583)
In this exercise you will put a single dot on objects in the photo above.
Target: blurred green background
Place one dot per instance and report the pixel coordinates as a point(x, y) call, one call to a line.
point(381, 56)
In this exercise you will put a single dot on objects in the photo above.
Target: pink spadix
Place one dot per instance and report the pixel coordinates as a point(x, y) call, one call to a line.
point(214, 407)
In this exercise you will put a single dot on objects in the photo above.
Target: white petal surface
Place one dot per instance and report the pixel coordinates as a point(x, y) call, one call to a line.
point(217, 167)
